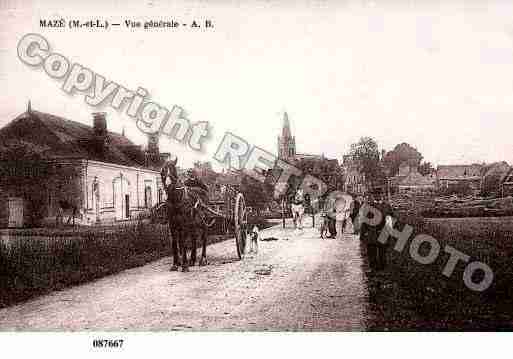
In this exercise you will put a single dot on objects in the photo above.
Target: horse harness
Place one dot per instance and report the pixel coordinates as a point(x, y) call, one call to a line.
point(193, 208)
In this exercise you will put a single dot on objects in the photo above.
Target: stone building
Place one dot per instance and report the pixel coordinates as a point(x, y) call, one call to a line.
point(410, 180)
point(47, 160)
point(448, 176)
point(354, 180)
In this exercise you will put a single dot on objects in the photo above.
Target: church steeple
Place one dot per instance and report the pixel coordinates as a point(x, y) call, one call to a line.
point(287, 142)
point(285, 132)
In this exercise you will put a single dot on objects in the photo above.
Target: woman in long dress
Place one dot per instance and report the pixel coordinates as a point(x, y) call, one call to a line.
point(342, 208)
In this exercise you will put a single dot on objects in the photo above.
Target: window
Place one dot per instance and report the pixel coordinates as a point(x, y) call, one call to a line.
point(147, 197)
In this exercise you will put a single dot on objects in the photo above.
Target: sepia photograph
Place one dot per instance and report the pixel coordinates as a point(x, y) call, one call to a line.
point(255, 166)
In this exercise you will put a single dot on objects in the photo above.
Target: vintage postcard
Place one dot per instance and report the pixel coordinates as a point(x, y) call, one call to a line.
point(251, 166)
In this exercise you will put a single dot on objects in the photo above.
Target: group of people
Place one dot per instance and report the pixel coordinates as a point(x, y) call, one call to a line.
point(338, 211)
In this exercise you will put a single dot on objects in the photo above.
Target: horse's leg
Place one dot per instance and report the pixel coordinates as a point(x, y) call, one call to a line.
point(203, 260)
point(194, 235)
point(254, 244)
point(174, 250)
point(183, 247)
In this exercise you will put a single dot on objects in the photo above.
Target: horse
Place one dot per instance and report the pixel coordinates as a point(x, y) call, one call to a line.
point(298, 209)
point(185, 217)
point(64, 206)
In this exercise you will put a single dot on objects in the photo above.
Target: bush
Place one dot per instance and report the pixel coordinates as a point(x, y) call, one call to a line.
point(33, 265)
point(443, 303)
point(459, 189)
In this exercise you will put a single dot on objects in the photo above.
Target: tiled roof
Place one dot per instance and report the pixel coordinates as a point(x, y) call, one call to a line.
point(456, 171)
point(496, 169)
point(508, 177)
point(416, 179)
point(57, 137)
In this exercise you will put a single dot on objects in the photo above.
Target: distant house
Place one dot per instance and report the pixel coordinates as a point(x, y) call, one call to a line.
point(410, 180)
point(506, 184)
point(47, 160)
point(494, 175)
point(354, 179)
point(448, 176)
point(404, 170)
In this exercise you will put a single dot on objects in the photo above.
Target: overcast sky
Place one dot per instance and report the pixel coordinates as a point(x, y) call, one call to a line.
point(437, 76)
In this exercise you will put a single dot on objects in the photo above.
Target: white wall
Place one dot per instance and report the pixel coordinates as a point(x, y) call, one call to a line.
point(114, 182)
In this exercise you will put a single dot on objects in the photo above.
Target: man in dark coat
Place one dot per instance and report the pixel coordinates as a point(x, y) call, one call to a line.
point(354, 213)
point(329, 209)
point(381, 254)
point(193, 180)
point(376, 251)
point(368, 235)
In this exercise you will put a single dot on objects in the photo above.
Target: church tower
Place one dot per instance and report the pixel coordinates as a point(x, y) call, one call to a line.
point(286, 142)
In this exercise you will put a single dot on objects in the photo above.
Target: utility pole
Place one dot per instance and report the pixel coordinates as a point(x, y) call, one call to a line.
point(388, 189)
point(283, 211)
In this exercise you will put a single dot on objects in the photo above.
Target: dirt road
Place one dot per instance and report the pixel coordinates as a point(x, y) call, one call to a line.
point(312, 284)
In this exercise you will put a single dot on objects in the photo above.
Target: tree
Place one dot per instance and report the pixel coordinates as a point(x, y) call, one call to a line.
point(426, 168)
point(326, 170)
point(366, 155)
point(403, 152)
point(492, 174)
point(256, 194)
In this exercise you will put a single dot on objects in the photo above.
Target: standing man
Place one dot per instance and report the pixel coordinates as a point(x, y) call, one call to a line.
point(193, 180)
point(298, 209)
point(354, 213)
point(369, 236)
point(330, 210)
point(386, 220)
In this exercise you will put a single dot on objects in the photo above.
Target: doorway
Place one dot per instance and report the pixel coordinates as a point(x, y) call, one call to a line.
point(121, 197)
point(127, 206)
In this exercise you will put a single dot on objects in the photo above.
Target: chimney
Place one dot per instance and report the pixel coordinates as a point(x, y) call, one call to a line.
point(153, 145)
point(100, 124)
point(100, 132)
point(152, 152)
point(164, 156)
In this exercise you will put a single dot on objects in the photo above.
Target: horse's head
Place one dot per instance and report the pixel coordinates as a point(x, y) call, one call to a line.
point(169, 175)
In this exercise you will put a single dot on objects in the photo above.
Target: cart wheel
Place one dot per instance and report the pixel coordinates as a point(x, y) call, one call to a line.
point(241, 221)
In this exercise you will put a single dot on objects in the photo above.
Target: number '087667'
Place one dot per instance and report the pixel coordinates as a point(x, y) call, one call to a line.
point(108, 343)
